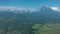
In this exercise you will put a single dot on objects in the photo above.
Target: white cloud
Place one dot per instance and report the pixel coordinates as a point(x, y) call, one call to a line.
point(15, 8)
point(11, 8)
point(55, 8)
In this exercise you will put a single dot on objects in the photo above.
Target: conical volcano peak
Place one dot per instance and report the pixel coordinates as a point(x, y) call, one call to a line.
point(45, 7)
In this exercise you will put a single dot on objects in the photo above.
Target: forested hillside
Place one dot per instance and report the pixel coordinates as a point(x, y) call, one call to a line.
point(25, 22)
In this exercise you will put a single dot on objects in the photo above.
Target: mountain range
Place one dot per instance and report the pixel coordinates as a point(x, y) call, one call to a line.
point(21, 21)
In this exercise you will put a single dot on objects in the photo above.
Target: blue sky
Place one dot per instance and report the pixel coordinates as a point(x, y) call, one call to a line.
point(29, 3)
